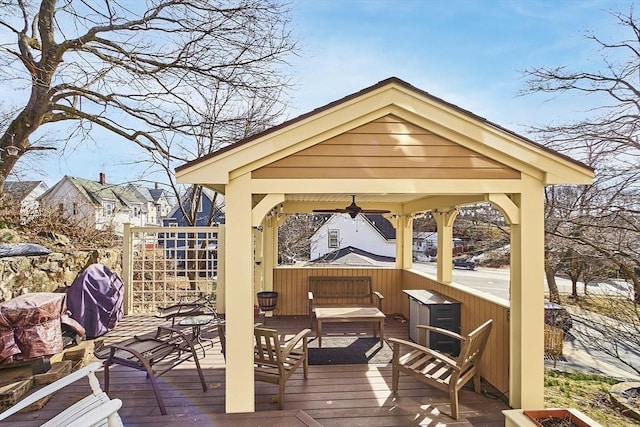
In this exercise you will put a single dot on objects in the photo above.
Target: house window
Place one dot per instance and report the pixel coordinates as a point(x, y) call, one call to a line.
point(108, 209)
point(75, 208)
point(60, 208)
point(334, 236)
point(136, 212)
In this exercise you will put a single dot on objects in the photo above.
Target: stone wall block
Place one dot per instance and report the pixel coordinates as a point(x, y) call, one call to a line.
point(47, 273)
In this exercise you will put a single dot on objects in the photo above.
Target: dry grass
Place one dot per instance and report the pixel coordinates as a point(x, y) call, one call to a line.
point(586, 392)
point(589, 392)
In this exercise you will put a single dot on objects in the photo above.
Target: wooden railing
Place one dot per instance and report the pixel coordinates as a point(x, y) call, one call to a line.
point(292, 285)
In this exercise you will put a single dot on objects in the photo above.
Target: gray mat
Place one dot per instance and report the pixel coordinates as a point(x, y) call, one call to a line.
point(349, 350)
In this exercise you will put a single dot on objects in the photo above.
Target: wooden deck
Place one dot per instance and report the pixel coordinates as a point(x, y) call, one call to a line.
point(333, 395)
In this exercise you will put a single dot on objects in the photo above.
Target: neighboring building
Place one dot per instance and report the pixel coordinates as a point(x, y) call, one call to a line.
point(156, 204)
point(25, 194)
point(95, 203)
point(175, 218)
point(180, 246)
point(425, 244)
point(371, 233)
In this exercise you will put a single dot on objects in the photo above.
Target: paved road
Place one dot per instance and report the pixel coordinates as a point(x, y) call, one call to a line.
point(495, 281)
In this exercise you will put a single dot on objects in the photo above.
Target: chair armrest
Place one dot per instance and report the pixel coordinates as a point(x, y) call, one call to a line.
point(293, 342)
point(51, 388)
point(398, 342)
point(441, 331)
point(380, 298)
point(102, 412)
point(378, 294)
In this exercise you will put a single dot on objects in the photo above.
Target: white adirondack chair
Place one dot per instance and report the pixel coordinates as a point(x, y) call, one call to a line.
point(97, 409)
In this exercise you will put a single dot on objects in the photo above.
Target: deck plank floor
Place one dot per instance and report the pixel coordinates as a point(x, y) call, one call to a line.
point(333, 395)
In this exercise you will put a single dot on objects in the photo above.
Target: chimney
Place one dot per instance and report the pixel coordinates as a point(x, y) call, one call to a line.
point(103, 178)
point(157, 186)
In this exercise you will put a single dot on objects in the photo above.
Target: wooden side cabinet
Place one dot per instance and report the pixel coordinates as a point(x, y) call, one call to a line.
point(434, 309)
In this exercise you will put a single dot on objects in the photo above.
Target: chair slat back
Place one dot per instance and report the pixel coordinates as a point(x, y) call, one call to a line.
point(474, 344)
point(267, 349)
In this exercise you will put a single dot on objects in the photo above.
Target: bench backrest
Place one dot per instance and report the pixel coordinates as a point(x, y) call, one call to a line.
point(341, 290)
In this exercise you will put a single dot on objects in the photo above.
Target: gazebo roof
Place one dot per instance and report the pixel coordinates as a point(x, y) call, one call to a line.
point(390, 130)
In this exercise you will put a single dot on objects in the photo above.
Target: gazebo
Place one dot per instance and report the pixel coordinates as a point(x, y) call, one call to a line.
point(400, 149)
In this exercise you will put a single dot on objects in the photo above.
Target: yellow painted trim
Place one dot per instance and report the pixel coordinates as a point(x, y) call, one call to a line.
point(441, 202)
point(399, 186)
point(505, 205)
point(264, 206)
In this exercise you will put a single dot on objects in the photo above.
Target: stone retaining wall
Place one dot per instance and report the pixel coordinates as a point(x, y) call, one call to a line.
point(47, 273)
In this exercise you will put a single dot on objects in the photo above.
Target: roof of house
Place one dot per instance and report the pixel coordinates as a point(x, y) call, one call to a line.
point(96, 192)
point(382, 225)
point(18, 190)
point(352, 256)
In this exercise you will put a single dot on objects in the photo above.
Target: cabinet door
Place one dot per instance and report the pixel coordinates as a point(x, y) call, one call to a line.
point(445, 316)
point(414, 319)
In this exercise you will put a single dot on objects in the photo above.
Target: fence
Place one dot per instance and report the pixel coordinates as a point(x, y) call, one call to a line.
point(165, 265)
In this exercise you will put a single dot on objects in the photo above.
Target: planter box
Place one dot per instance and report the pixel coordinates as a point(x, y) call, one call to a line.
point(527, 418)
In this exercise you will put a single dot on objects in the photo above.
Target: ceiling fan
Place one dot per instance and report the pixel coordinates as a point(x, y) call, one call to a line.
point(353, 210)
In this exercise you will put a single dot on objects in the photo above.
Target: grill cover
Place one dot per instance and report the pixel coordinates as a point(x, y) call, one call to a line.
point(95, 299)
point(30, 326)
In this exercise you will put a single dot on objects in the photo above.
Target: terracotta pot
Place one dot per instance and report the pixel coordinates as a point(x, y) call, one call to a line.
point(576, 418)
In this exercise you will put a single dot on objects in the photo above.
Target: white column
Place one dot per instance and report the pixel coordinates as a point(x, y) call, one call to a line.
point(239, 297)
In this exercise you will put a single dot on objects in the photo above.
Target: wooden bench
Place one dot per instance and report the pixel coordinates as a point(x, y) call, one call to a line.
point(344, 299)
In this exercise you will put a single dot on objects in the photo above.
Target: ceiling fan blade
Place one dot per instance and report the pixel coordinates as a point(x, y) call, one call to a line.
point(375, 211)
point(329, 211)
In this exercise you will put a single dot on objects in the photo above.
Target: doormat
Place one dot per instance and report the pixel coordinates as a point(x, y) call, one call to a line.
point(349, 351)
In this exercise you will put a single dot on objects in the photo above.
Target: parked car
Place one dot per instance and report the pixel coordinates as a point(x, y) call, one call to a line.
point(464, 263)
point(558, 316)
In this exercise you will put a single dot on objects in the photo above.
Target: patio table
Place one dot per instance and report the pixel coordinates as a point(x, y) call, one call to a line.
point(350, 315)
point(196, 323)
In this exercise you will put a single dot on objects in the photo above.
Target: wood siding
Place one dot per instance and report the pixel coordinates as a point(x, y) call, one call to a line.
point(292, 286)
point(387, 148)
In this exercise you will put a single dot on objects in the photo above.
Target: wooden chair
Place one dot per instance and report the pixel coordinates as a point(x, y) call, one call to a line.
point(95, 409)
point(275, 362)
point(442, 371)
point(168, 348)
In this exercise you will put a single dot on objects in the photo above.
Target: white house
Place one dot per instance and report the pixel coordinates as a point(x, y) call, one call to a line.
point(156, 203)
point(425, 243)
point(25, 193)
point(371, 233)
point(94, 203)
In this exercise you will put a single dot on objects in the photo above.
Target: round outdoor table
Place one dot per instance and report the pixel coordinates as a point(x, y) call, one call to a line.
point(196, 323)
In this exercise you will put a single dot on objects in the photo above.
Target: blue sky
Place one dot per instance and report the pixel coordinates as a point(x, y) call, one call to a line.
point(470, 53)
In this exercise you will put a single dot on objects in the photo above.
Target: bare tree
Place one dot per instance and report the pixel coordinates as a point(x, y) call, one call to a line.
point(606, 216)
point(136, 69)
point(602, 221)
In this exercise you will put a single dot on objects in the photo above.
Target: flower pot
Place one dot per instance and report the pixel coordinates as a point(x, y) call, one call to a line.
point(551, 417)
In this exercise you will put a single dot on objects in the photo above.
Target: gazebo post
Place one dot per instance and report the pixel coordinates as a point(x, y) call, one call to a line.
point(239, 296)
point(526, 390)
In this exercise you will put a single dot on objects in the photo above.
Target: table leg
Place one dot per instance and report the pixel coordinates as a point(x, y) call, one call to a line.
point(319, 332)
point(381, 332)
point(196, 337)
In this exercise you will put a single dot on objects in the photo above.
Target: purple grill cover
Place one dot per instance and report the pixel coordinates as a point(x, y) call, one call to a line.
point(95, 300)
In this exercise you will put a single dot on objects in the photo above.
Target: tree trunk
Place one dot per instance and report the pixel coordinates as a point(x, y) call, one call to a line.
point(554, 295)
